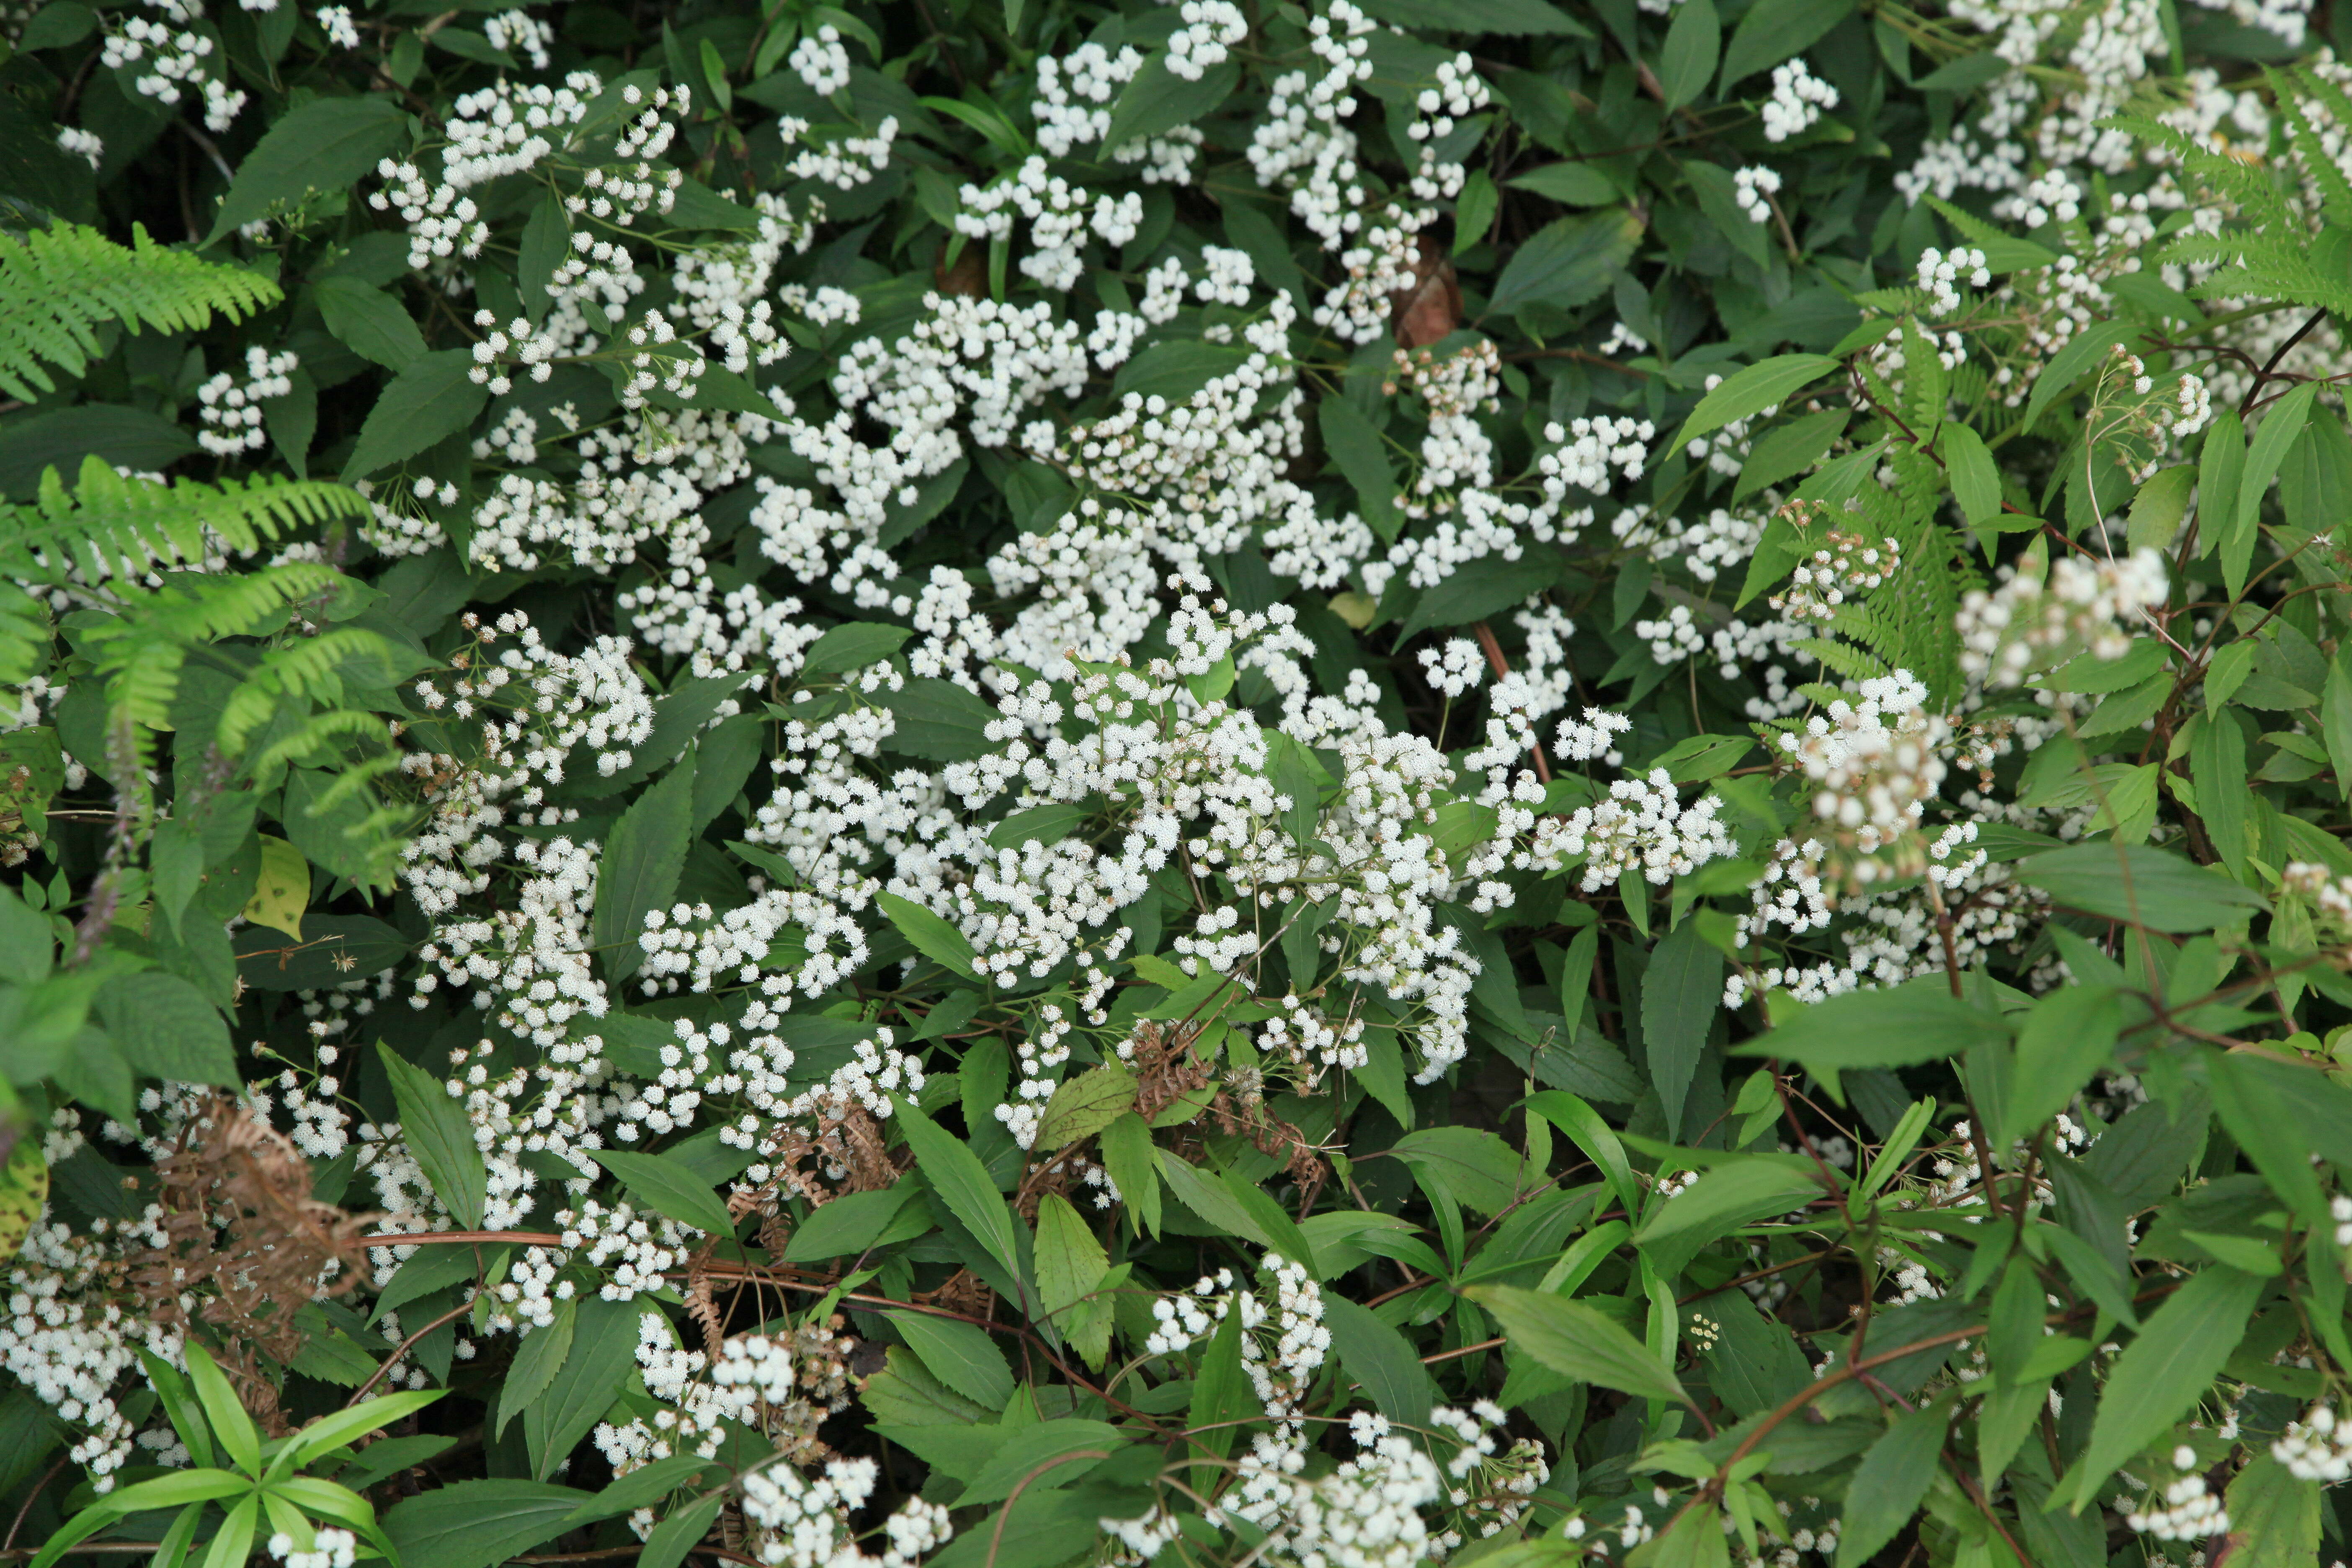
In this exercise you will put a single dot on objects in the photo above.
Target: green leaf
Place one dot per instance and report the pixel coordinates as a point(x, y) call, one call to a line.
point(1176, 368)
point(1749, 392)
point(932, 936)
point(2084, 351)
point(679, 1533)
point(1681, 995)
point(2335, 720)
point(2220, 467)
point(536, 1361)
point(940, 722)
point(1718, 1203)
point(369, 321)
point(961, 1182)
point(1890, 1483)
point(342, 1427)
point(1070, 1261)
point(2274, 1517)
point(1380, 1359)
point(434, 1126)
point(669, 1189)
point(334, 949)
point(1235, 1208)
point(239, 1438)
point(641, 1487)
point(166, 1029)
point(854, 1223)
point(232, 1545)
point(2157, 509)
point(638, 872)
point(1049, 823)
point(2216, 760)
point(480, 1523)
point(1158, 101)
point(2147, 887)
point(432, 397)
point(1772, 30)
point(1755, 1363)
point(1474, 210)
point(604, 1337)
point(1694, 45)
point(1600, 1142)
point(1085, 1105)
point(1792, 448)
point(1573, 1337)
point(1127, 1153)
point(325, 146)
point(2169, 1366)
point(1976, 482)
point(1223, 1396)
point(1476, 1167)
point(852, 647)
point(1050, 1454)
point(2281, 425)
point(1897, 1025)
point(1576, 184)
point(2067, 1036)
point(961, 1355)
point(1568, 261)
point(1478, 589)
point(1354, 446)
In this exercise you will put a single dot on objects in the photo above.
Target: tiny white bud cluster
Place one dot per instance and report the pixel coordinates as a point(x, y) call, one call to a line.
point(1798, 98)
point(2033, 623)
point(231, 409)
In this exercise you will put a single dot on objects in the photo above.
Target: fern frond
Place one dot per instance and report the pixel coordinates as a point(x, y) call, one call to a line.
point(24, 632)
point(58, 285)
point(113, 526)
point(319, 731)
point(1854, 663)
point(308, 667)
point(139, 653)
point(2303, 136)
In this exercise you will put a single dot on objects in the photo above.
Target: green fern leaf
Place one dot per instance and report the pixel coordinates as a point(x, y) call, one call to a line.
point(58, 285)
point(113, 526)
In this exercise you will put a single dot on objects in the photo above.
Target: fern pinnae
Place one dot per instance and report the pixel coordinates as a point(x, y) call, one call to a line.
point(59, 285)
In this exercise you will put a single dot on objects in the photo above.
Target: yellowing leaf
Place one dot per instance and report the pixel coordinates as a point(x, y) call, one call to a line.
point(284, 890)
point(24, 1189)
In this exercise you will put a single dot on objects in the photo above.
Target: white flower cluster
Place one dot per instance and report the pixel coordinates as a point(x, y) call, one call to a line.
point(175, 53)
point(2185, 1509)
point(1753, 189)
point(1875, 763)
point(1941, 276)
point(803, 1521)
point(2033, 623)
point(1798, 100)
point(83, 144)
point(1211, 30)
point(330, 1548)
point(2330, 896)
point(2316, 1448)
point(231, 410)
point(336, 22)
point(1642, 826)
point(1280, 1373)
point(1840, 570)
point(68, 1345)
point(1373, 1511)
point(819, 61)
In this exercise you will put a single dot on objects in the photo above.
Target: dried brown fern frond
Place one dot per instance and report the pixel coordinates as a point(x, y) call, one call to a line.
point(242, 1238)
